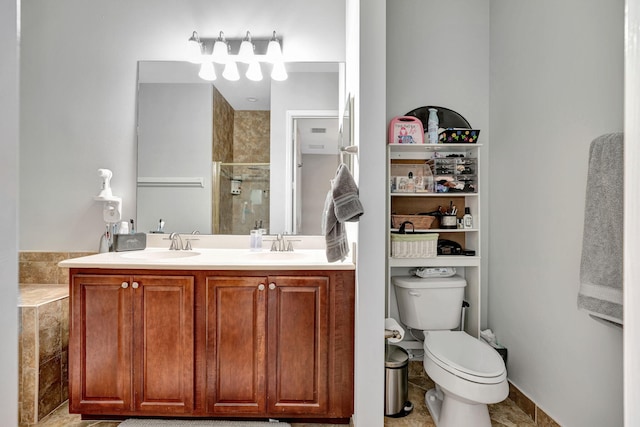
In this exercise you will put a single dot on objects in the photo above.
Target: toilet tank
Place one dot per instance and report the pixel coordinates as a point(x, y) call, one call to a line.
point(430, 304)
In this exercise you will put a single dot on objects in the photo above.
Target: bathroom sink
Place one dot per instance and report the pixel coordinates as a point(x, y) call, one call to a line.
point(159, 255)
point(277, 256)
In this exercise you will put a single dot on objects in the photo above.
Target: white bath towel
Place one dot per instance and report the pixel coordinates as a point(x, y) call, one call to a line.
point(341, 205)
point(600, 292)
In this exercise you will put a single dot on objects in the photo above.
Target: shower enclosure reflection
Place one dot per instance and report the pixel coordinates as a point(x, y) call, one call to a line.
point(240, 197)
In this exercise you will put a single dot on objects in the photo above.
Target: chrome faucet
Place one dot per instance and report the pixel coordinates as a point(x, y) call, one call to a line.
point(176, 242)
point(280, 244)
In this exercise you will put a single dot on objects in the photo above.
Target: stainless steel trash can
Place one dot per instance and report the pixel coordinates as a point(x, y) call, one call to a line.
point(396, 381)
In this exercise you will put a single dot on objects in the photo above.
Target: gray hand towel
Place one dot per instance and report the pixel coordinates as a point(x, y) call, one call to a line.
point(345, 196)
point(337, 246)
point(342, 204)
point(600, 292)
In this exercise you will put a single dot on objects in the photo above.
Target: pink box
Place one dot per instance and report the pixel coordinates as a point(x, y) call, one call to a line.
point(406, 130)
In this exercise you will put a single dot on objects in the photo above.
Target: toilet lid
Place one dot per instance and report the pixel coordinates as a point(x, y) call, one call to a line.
point(465, 356)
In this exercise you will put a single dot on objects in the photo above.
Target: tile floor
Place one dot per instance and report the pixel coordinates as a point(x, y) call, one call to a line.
point(503, 414)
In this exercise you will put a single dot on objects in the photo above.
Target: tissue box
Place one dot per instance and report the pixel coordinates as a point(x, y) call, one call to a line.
point(129, 242)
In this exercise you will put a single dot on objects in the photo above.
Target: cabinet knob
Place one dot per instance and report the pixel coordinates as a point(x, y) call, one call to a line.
point(135, 285)
point(261, 287)
point(125, 285)
point(272, 285)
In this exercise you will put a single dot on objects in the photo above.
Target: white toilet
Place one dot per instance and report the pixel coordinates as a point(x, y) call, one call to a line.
point(468, 373)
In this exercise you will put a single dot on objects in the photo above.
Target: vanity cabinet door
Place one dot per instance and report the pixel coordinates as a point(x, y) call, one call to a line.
point(100, 344)
point(236, 349)
point(163, 344)
point(131, 347)
point(298, 350)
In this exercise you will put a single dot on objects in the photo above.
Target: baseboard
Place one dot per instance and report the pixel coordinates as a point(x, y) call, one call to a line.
point(529, 407)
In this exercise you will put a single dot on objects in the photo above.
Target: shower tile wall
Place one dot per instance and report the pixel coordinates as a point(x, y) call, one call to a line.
point(251, 144)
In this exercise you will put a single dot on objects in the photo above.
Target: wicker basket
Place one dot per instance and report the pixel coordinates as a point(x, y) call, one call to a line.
point(414, 245)
point(420, 222)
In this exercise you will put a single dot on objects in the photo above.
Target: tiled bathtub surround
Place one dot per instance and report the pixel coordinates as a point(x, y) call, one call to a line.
point(43, 348)
point(44, 333)
point(42, 267)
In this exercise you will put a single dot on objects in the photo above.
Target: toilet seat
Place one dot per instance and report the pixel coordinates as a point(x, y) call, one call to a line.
point(464, 356)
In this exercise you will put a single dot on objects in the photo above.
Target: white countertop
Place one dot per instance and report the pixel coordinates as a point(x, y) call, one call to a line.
point(215, 253)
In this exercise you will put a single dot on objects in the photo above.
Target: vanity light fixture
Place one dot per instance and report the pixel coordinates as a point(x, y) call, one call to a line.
point(220, 53)
point(194, 48)
point(229, 52)
point(274, 51)
point(246, 52)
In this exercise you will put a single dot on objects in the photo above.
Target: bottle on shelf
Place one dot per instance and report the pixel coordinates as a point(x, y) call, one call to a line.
point(467, 219)
point(432, 126)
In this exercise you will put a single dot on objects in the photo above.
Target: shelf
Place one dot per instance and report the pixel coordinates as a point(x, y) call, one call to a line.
point(442, 230)
point(432, 194)
point(439, 261)
point(424, 151)
point(433, 147)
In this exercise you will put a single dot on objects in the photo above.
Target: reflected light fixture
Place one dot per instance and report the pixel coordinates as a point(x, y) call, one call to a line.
point(207, 72)
point(229, 52)
point(231, 71)
point(254, 73)
point(279, 72)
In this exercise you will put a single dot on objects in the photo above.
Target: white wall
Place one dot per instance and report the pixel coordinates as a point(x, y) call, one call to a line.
point(366, 41)
point(428, 63)
point(556, 84)
point(78, 93)
point(9, 212)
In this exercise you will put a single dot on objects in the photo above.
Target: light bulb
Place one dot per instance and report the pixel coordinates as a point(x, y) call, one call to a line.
point(207, 72)
point(254, 72)
point(245, 54)
point(279, 72)
point(231, 71)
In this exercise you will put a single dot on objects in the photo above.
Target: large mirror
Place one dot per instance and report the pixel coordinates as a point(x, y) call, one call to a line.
point(222, 157)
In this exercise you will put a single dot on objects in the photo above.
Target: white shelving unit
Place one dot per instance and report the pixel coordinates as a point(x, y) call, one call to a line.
point(469, 238)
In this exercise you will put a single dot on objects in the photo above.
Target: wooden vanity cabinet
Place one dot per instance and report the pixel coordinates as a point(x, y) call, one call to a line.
point(246, 344)
point(131, 346)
